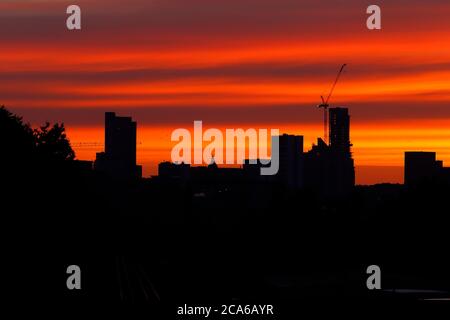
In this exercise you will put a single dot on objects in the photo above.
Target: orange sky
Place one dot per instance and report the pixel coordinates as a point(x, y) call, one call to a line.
point(232, 64)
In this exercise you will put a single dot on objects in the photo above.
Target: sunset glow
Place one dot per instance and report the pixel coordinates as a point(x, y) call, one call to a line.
point(168, 63)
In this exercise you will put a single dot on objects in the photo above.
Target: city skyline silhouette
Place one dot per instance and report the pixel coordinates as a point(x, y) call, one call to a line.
point(135, 238)
point(397, 171)
point(356, 214)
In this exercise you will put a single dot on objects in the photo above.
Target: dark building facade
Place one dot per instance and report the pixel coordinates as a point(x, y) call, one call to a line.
point(329, 169)
point(421, 166)
point(119, 158)
point(175, 172)
point(199, 177)
point(290, 167)
point(290, 172)
point(339, 130)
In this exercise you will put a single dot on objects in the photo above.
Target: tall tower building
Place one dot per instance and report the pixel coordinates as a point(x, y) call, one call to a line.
point(329, 168)
point(119, 158)
point(120, 139)
point(339, 130)
point(290, 172)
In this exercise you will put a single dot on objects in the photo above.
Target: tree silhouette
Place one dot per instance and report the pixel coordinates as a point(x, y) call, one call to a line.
point(21, 144)
point(16, 138)
point(52, 143)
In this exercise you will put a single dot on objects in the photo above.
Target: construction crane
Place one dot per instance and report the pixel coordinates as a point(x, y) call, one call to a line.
point(325, 104)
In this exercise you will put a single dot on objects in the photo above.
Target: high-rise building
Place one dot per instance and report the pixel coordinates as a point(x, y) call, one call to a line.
point(120, 138)
point(329, 169)
point(119, 157)
point(290, 172)
point(339, 120)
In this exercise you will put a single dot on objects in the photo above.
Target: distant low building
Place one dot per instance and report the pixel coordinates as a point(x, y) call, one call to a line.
point(173, 171)
point(422, 166)
point(252, 171)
